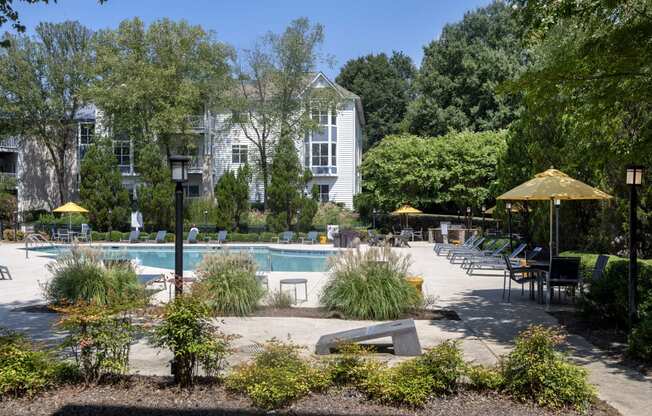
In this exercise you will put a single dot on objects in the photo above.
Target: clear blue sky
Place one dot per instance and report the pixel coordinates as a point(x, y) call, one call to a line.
point(353, 27)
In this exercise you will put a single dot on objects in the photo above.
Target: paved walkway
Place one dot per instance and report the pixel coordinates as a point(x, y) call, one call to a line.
point(486, 330)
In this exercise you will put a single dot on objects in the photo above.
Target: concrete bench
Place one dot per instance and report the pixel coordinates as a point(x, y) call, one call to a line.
point(404, 337)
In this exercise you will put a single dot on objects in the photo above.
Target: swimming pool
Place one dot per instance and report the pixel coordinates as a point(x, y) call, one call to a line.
point(268, 259)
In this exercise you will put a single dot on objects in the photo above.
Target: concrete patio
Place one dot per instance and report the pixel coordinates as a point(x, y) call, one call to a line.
point(486, 329)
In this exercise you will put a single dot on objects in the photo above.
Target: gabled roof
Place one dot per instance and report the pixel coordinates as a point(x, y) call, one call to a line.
point(343, 92)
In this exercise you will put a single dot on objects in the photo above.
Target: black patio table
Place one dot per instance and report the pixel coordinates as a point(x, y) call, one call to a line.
point(537, 266)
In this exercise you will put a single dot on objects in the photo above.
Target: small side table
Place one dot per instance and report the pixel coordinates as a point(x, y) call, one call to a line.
point(295, 283)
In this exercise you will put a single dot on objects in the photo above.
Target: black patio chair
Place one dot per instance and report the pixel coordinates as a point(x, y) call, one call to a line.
point(520, 275)
point(564, 273)
point(596, 272)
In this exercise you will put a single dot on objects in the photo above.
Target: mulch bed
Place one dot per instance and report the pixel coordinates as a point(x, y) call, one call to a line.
point(610, 340)
point(153, 396)
point(268, 311)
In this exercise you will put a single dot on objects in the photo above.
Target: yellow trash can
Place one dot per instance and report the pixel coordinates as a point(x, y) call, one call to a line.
point(323, 239)
point(417, 282)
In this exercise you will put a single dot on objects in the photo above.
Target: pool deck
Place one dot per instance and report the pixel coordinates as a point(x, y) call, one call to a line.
point(486, 330)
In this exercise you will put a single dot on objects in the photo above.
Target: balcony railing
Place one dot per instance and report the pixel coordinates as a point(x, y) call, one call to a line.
point(324, 170)
point(10, 143)
point(196, 164)
point(196, 123)
point(8, 176)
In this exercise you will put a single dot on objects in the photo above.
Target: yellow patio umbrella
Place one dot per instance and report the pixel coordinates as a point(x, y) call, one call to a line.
point(515, 208)
point(406, 210)
point(70, 208)
point(549, 186)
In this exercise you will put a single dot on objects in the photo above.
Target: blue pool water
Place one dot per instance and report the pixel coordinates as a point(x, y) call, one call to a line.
point(268, 259)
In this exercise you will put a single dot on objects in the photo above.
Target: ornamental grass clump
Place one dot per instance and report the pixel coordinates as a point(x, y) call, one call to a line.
point(535, 371)
point(277, 376)
point(370, 285)
point(227, 283)
point(80, 275)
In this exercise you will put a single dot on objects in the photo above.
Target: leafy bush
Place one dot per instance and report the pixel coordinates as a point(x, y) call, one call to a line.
point(350, 366)
point(187, 331)
point(330, 213)
point(99, 338)
point(408, 383)
point(411, 382)
point(370, 285)
point(535, 371)
point(256, 218)
point(98, 236)
point(25, 370)
point(640, 340)
point(267, 236)
point(227, 283)
point(243, 237)
point(484, 378)
point(277, 376)
point(81, 276)
point(606, 299)
point(63, 220)
point(116, 236)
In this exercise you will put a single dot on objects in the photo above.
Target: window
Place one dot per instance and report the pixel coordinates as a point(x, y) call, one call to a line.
point(320, 154)
point(86, 133)
point(320, 150)
point(192, 191)
point(323, 193)
point(239, 153)
point(122, 150)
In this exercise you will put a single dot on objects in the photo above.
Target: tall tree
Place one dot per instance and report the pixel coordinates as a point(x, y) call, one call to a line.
point(156, 190)
point(232, 194)
point(272, 96)
point(460, 71)
point(155, 82)
point(288, 181)
point(41, 85)
point(384, 85)
point(101, 189)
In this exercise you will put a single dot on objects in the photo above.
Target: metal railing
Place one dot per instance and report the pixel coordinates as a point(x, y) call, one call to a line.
point(36, 240)
point(197, 122)
point(9, 143)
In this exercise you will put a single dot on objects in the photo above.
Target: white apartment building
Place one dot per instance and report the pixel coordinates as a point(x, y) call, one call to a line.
point(333, 154)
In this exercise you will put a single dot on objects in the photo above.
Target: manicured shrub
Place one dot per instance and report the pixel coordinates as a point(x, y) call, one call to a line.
point(187, 331)
point(99, 339)
point(169, 238)
point(12, 235)
point(370, 285)
point(243, 237)
point(25, 370)
point(277, 376)
point(116, 236)
point(484, 378)
point(330, 213)
point(605, 301)
point(81, 276)
point(267, 236)
point(640, 340)
point(350, 366)
point(125, 236)
point(98, 236)
point(535, 371)
point(227, 283)
point(407, 383)
point(411, 382)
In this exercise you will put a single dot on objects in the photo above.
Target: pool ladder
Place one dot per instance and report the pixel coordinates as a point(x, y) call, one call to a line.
point(36, 240)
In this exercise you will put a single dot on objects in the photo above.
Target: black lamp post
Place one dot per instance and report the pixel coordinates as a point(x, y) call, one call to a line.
point(483, 209)
point(373, 218)
point(508, 205)
point(469, 221)
point(557, 206)
point(634, 179)
point(205, 217)
point(179, 167)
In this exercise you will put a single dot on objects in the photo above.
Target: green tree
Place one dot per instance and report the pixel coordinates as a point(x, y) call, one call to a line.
point(308, 209)
point(272, 95)
point(461, 70)
point(384, 85)
point(8, 201)
point(156, 190)
point(232, 194)
point(288, 181)
point(41, 84)
point(443, 173)
point(101, 190)
point(154, 82)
